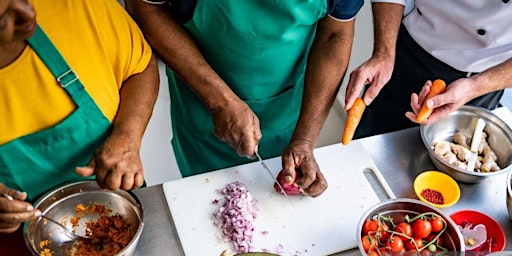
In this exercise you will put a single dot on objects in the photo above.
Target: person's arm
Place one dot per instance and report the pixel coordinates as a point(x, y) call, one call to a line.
point(234, 121)
point(378, 69)
point(461, 91)
point(117, 162)
point(327, 64)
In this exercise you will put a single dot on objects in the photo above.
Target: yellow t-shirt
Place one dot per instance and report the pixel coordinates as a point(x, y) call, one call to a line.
point(98, 40)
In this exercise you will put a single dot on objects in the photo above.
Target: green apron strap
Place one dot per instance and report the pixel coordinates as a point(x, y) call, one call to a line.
point(74, 139)
point(66, 77)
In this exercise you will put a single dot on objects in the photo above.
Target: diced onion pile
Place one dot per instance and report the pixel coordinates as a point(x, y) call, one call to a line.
point(236, 216)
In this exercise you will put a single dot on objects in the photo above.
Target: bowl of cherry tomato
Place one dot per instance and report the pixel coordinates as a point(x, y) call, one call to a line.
point(408, 225)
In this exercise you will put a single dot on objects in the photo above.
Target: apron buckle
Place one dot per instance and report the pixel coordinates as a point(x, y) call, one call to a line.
point(67, 78)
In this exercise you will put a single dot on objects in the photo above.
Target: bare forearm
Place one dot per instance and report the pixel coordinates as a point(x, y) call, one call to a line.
point(138, 97)
point(386, 21)
point(495, 78)
point(327, 64)
point(178, 50)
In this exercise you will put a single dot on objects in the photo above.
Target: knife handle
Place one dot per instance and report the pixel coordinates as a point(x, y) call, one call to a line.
point(477, 135)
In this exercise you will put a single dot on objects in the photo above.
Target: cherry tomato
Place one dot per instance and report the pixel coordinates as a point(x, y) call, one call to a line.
point(373, 253)
point(368, 243)
point(432, 236)
point(382, 231)
point(405, 229)
point(437, 224)
point(426, 253)
point(410, 246)
point(369, 226)
point(395, 244)
point(421, 228)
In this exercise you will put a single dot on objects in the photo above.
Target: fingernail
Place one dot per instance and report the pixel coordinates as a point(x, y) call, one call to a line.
point(20, 194)
point(30, 208)
point(368, 101)
point(288, 178)
point(38, 213)
point(7, 196)
point(430, 104)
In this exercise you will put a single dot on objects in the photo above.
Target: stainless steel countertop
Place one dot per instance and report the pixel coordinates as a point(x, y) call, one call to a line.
point(399, 156)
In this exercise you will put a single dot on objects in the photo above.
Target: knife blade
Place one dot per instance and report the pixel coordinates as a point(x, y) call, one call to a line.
point(273, 177)
point(475, 142)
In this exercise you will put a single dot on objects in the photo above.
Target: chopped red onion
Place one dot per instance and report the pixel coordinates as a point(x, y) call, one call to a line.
point(236, 216)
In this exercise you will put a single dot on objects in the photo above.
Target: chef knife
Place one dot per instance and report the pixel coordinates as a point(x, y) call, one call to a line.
point(272, 176)
point(475, 142)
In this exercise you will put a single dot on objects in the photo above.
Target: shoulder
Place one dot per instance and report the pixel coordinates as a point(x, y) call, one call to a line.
point(344, 9)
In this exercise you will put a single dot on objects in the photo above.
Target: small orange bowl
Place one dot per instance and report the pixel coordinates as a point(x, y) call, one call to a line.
point(435, 183)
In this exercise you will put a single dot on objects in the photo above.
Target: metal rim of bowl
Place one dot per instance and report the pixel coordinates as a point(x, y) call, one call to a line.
point(509, 184)
point(136, 205)
point(412, 201)
point(470, 109)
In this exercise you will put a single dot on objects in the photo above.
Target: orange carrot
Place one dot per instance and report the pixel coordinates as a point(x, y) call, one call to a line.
point(354, 115)
point(438, 87)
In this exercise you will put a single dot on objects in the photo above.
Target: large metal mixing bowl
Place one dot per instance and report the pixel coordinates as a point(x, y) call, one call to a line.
point(509, 193)
point(398, 208)
point(60, 204)
point(464, 120)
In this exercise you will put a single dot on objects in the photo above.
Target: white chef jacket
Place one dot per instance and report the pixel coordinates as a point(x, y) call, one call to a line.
point(469, 35)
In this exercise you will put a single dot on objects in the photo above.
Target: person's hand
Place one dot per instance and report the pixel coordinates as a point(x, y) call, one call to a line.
point(376, 71)
point(16, 211)
point(299, 156)
point(116, 163)
point(237, 126)
point(456, 95)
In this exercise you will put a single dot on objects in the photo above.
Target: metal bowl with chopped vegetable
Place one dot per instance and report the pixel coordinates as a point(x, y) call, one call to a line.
point(391, 226)
point(448, 142)
point(112, 219)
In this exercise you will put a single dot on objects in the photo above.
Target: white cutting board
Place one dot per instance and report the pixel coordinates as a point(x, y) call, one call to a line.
point(315, 226)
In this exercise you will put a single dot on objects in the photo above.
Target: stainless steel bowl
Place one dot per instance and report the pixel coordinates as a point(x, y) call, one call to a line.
point(398, 208)
point(509, 193)
point(60, 204)
point(464, 120)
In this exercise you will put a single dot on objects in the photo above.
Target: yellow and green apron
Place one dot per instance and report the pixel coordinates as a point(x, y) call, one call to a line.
point(38, 162)
point(260, 49)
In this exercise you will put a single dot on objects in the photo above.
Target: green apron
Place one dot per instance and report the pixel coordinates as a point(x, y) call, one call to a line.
point(38, 162)
point(260, 49)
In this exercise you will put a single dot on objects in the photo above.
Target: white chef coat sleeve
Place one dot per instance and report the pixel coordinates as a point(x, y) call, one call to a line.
point(402, 2)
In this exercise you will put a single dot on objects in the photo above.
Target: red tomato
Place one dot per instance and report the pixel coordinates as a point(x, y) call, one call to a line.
point(426, 253)
point(373, 253)
point(369, 226)
point(432, 236)
point(437, 224)
point(410, 246)
point(384, 236)
point(395, 244)
point(405, 229)
point(421, 228)
point(368, 243)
